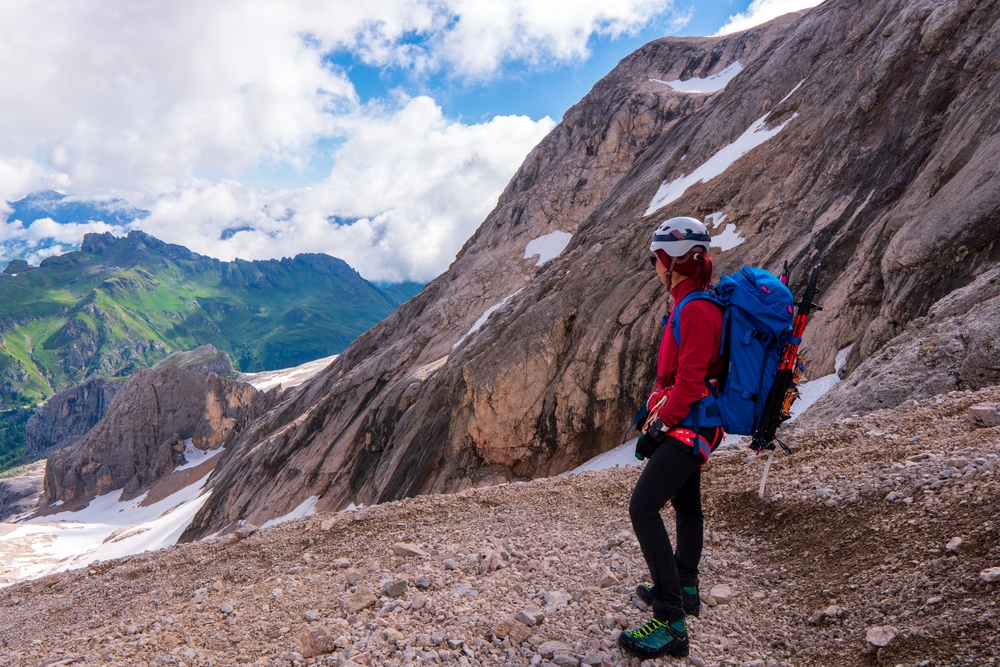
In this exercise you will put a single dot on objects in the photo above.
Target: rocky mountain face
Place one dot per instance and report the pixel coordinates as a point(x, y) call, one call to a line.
point(68, 416)
point(862, 135)
point(21, 493)
point(140, 439)
point(954, 347)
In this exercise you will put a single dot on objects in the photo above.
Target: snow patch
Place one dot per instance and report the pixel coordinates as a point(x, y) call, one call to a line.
point(792, 92)
point(107, 528)
point(547, 246)
point(307, 507)
point(195, 457)
point(728, 239)
point(715, 219)
point(754, 136)
point(841, 359)
point(287, 377)
point(710, 84)
point(622, 455)
point(813, 390)
point(485, 316)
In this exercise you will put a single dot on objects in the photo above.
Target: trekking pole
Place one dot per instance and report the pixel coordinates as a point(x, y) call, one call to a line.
point(767, 469)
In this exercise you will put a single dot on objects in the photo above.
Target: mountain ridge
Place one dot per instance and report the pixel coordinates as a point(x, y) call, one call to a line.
point(122, 303)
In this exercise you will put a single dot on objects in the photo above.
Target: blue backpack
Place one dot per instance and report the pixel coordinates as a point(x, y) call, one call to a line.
point(756, 325)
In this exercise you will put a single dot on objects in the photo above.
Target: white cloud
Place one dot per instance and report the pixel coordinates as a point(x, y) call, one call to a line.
point(762, 11)
point(146, 100)
point(416, 183)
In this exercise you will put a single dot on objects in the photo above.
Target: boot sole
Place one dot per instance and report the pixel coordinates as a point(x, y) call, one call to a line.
point(649, 654)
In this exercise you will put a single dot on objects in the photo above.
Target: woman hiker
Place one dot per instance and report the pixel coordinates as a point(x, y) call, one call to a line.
point(674, 452)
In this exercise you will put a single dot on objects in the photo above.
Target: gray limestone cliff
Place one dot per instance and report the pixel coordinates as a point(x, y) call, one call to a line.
point(70, 414)
point(140, 438)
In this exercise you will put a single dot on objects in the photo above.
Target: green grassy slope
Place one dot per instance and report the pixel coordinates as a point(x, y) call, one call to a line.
point(120, 304)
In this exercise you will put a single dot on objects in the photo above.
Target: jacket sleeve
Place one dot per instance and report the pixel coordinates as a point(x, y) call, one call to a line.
point(701, 335)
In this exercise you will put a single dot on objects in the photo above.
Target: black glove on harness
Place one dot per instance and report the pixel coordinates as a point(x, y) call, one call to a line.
point(650, 440)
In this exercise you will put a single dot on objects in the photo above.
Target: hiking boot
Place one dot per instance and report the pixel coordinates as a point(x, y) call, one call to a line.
point(690, 600)
point(655, 639)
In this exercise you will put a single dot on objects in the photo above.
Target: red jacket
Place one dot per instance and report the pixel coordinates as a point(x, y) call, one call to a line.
point(686, 368)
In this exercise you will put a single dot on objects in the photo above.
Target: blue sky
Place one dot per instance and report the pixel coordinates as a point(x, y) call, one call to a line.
point(535, 91)
point(253, 129)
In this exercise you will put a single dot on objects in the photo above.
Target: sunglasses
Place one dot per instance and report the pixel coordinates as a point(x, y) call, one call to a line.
point(677, 260)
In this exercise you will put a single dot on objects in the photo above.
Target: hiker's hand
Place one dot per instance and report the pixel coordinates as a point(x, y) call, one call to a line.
point(649, 441)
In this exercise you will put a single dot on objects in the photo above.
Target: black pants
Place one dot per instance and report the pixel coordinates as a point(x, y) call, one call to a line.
point(671, 474)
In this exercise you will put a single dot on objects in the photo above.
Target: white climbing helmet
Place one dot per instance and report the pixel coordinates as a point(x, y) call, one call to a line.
point(677, 236)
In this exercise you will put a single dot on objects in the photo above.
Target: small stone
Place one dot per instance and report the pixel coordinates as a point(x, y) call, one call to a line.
point(522, 617)
point(491, 562)
point(565, 660)
point(394, 637)
point(607, 580)
point(934, 600)
point(218, 586)
point(315, 641)
point(881, 636)
point(199, 595)
point(696, 661)
point(418, 601)
point(340, 563)
point(990, 575)
point(396, 587)
point(359, 601)
point(311, 615)
point(226, 608)
point(450, 564)
point(550, 648)
point(592, 659)
point(408, 549)
point(455, 644)
point(954, 545)
point(984, 414)
point(354, 576)
point(463, 589)
point(555, 600)
point(830, 613)
point(360, 515)
point(246, 530)
point(721, 593)
point(423, 583)
point(530, 616)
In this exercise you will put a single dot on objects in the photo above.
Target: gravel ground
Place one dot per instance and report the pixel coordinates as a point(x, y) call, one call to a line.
point(856, 532)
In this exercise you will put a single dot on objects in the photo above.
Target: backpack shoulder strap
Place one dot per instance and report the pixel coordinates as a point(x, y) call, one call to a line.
point(693, 296)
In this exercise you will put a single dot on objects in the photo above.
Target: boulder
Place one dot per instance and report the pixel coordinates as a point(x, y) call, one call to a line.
point(881, 636)
point(985, 414)
point(990, 575)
